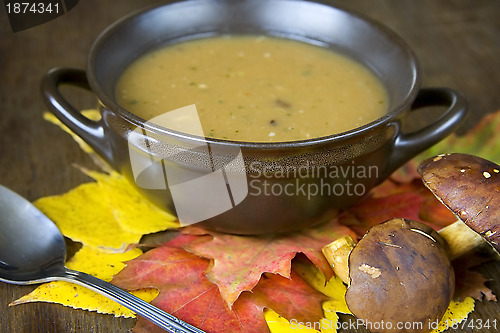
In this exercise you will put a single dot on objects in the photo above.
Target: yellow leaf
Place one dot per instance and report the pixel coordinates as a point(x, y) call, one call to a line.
point(99, 264)
point(105, 216)
point(278, 324)
point(83, 215)
point(335, 289)
point(455, 314)
point(132, 211)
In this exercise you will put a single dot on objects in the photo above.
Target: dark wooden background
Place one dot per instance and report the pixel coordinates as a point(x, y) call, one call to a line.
point(457, 42)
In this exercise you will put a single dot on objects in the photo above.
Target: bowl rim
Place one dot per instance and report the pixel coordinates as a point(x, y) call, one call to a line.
point(383, 121)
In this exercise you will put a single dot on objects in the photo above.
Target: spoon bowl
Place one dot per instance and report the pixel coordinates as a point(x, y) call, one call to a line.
point(32, 250)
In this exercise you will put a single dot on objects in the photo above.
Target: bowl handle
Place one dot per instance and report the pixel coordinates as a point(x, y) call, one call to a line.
point(408, 145)
point(92, 132)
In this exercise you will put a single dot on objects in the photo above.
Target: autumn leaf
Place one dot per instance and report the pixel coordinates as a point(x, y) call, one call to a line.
point(483, 140)
point(457, 312)
point(87, 214)
point(186, 293)
point(373, 211)
point(384, 204)
point(334, 288)
point(131, 210)
point(239, 261)
point(94, 262)
point(410, 200)
point(108, 214)
point(434, 213)
point(279, 324)
point(470, 283)
point(83, 215)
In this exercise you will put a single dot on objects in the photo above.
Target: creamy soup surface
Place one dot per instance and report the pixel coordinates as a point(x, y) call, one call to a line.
point(254, 88)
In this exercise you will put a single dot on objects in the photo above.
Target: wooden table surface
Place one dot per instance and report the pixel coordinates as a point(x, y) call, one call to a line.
point(457, 42)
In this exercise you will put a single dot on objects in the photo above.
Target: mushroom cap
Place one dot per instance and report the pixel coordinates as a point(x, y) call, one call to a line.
point(470, 187)
point(400, 274)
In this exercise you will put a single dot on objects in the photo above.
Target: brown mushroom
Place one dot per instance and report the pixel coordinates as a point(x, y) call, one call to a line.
point(469, 186)
point(400, 277)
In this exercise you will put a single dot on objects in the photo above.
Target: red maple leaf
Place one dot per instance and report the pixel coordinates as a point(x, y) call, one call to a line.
point(410, 200)
point(186, 293)
point(239, 261)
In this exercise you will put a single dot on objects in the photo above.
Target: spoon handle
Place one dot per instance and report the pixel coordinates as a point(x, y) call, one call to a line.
point(159, 317)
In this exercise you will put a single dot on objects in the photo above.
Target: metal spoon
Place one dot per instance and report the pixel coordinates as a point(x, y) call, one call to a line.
point(32, 250)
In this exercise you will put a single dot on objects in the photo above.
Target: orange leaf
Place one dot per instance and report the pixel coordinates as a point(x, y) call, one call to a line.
point(391, 199)
point(186, 293)
point(373, 211)
point(239, 261)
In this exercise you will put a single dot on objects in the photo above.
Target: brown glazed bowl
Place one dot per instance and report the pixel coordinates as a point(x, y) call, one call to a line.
point(259, 187)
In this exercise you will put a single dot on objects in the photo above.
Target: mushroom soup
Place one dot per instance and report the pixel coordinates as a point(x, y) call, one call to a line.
point(254, 88)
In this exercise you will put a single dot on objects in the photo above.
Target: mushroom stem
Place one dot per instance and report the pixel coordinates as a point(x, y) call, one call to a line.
point(460, 239)
point(337, 255)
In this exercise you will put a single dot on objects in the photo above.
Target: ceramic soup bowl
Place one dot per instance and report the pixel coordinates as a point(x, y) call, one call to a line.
point(253, 187)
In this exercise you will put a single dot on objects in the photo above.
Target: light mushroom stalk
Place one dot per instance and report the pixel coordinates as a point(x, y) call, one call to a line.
point(460, 239)
point(337, 254)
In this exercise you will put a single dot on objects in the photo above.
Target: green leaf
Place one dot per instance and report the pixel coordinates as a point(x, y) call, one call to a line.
point(483, 140)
